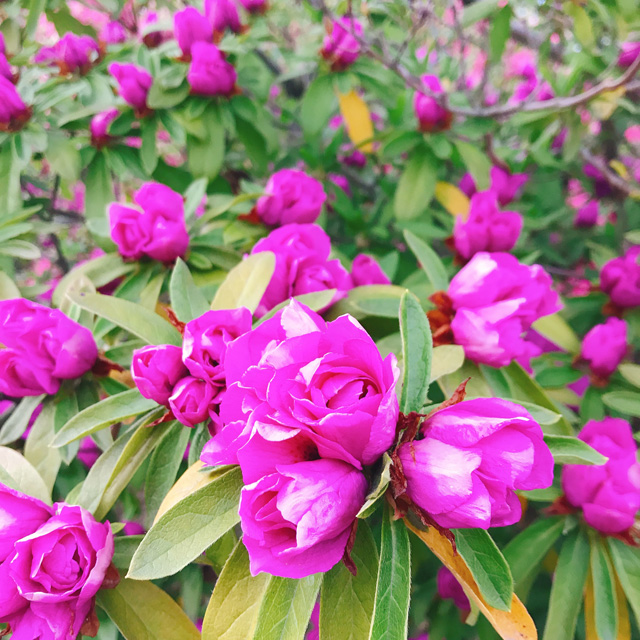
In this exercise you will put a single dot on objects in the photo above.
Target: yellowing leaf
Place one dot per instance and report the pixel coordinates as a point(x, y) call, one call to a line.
point(619, 168)
point(515, 624)
point(606, 103)
point(452, 199)
point(357, 119)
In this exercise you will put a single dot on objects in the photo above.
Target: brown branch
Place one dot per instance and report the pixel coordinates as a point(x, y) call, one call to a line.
point(615, 180)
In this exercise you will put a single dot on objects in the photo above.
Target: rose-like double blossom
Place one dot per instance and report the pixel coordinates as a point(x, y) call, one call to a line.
point(53, 561)
point(431, 116)
point(605, 346)
point(620, 279)
point(496, 299)
point(308, 404)
point(156, 228)
point(134, 83)
point(341, 47)
point(209, 72)
point(291, 196)
point(486, 228)
point(72, 53)
point(14, 113)
point(472, 457)
point(42, 347)
point(609, 494)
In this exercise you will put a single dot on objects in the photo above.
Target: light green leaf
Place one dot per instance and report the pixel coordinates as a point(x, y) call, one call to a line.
point(446, 359)
point(379, 300)
point(205, 155)
point(429, 261)
point(186, 299)
point(8, 288)
point(570, 450)
point(626, 560)
point(631, 373)
point(604, 591)
point(477, 163)
point(627, 402)
point(38, 450)
point(556, 329)
point(416, 185)
point(98, 195)
point(148, 152)
point(538, 413)
point(317, 106)
point(378, 484)
point(17, 473)
point(17, 422)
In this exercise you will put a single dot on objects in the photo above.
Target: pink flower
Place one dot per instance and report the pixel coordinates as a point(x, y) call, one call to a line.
point(53, 561)
point(255, 6)
point(156, 228)
point(191, 26)
point(5, 68)
point(366, 270)
point(496, 300)
point(630, 51)
point(88, 452)
point(134, 83)
point(431, 116)
point(72, 53)
point(472, 458)
point(209, 73)
point(192, 401)
point(341, 182)
point(587, 216)
point(620, 279)
point(14, 114)
point(486, 228)
point(632, 134)
point(506, 185)
point(42, 347)
point(450, 589)
point(341, 47)
point(113, 33)
point(302, 265)
point(605, 346)
point(291, 196)
point(521, 64)
point(156, 369)
point(152, 34)
point(100, 125)
point(223, 15)
point(609, 494)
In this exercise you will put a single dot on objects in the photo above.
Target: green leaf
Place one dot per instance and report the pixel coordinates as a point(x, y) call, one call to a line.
point(417, 346)
point(525, 552)
point(477, 163)
point(19, 474)
point(627, 402)
point(318, 104)
point(286, 608)
point(478, 11)
point(193, 196)
point(570, 450)
point(142, 611)
point(64, 22)
point(246, 283)
point(99, 193)
point(10, 194)
point(567, 588)
point(167, 97)
point(17, 422)
point(429, 261)
point(205, 155)
point(378, 485)
point(124, 548)
point(556, 329)
point(137, 320)
point(232, 612)
point(499, 32)
point(582, 26)
point(538, 413)
point(604, 591)
point(416, 185)
point(488, 566)
point(103, 414)
point(186, 298)
point(391, 606)
point(446, 359)
point(379, 300)
point(8, 288)
point(183, 532)
point(346, 601)
point(631, 373)
point(148, 153)
point(36, 7)
point(37, 450)
point(626, 560)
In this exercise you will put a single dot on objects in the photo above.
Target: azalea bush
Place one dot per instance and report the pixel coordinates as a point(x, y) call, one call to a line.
point(319, 320)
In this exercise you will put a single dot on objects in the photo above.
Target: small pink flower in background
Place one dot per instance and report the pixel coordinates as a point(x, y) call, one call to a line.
point(486, 228)
point(365, 270)
point(587, 216)
point(605, 347)
point(209, 73)
point(255, 6)
point(521, 64)
point(609, 494)
point(340, 46)
point(14, 113)
point(191, 26)
point(72, 54)
point(113, 33)
point(450, 589)
point(472, 458)
point(431, 116)
point(223, 15)
point(132, 528)
point(577, 197)
point(134, 83)
point(100, 125)
point(156, 369)
point(630, 51)
point(632, 134)
point(92, 17)
point(602, 187)
point(291, 196)
point(620, 279)
point(88, 452)
point(505, 185)
point(342, 182)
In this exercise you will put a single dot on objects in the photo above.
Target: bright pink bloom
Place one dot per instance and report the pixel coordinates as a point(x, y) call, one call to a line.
point(342, 182)
point(632, 134)
point(587, 216)
point(505, 185)
point(620, 279)
point(5, 68)
point(223, 15)
point(134, 83)
point(431, 116)
point(193, 400)
point(191, 26)
point(156, 228)
point(14, 113)
point(486, 228)
point(72, 53)
point(53, 561)
point(496, 300)
point(521, 64)
point(209, 73)
point(113, 33)
point(472, 458)
point(609, 494)
point(450, 589)
point(605, 346)
point(156, 369)
point(43, 347)
point(630, 51)
point(291, 196)
point(133, 528)
point(100, 125)
point(341, 47)
point(302, 265)
point(366, 270)
point(88, 452)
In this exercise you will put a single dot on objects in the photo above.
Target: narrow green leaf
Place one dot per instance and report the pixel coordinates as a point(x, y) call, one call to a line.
point(477, 163)
point(318, 104)
point(148, 153)
point(124, 548)
point(627, 402)
point(378, 486)
point(38, 450)
point(556, 329)
point(417, 347)
point(604, 591)
point(98, 195)
point(499, 33)
point(193, 196)
point(429, 261)
point(626, 560)
point(416, 185)
point(538, 413)
point(186, 299)
point(568, 587)
point(570, 450)
point(189, 527)
point(205, 155)
point(488, 566)
point(391, 607)
point(631, 373)
point(17, 422)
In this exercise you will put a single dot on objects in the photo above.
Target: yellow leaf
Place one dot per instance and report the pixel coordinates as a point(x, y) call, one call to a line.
point(511, 625)
point(357, 119)
point(606, 103)
point(452, 199)
point(619, 168)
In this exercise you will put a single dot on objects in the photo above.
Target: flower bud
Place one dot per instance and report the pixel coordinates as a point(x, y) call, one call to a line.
point(134, 83)
point(341, 47)
point(620, 279)
point(431, 116)
point(191, 26)
point(366, 270)
point(209, 73)
point(156, 369)
point(605, 346)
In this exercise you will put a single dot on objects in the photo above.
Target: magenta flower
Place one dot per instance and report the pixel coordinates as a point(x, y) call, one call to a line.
point(53, 561)
point(152, 34)
point(341, 182)
point(72, 54)
point(366, 270)
point(291, 196)
point(496, 300)
point(206, 340)
point(156, 369)
point(100, 125)
point(14, 113)
point(605, 346)
point(486, 228)
point(42, 347)
point(620, 279)
point(630, 51)
point(609, 494)
point(5, 68)
point(431, 116)
point(223, 15)
point(471, 459)
point(302, 265)
point(209, 73)
point(255, 6)
point(88, 452)
point(191, 26)
point(134, 83)
point(341, 47)
point(156, 228)
point(587, 216)
point(450, 589)
point(192, 401)
point(506, 186)
point(113, 33)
